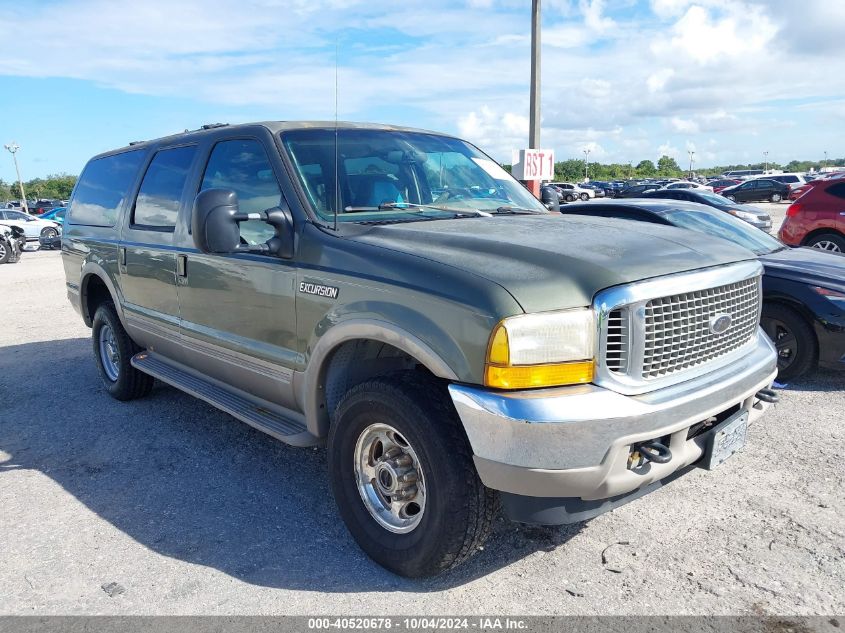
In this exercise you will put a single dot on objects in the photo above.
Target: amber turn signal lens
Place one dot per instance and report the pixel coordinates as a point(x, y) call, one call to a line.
point(533, 376)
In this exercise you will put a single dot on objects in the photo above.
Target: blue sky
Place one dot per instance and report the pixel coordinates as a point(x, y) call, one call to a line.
point(627, 79)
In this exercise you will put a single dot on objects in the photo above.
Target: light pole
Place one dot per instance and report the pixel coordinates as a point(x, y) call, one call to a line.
point(766, 162)
point(13, 149)
point(691, 156)
point(586, 174)
point(825, 159)
point(630, 169)
point(534, 101)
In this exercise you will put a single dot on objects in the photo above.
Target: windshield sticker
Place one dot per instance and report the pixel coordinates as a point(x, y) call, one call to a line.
point(493, 169)
point(316, 289)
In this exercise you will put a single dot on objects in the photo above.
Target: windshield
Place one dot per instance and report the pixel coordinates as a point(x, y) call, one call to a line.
point(720, 224)
point(386, 175)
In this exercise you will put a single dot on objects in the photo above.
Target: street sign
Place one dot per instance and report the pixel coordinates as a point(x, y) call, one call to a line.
point(534, 164)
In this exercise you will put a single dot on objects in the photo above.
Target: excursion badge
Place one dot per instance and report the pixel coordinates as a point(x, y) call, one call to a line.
point(317, 289)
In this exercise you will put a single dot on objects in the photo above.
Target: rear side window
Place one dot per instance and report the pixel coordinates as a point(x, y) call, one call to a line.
point(837, 190)
point(103, 187)
point(157, 204)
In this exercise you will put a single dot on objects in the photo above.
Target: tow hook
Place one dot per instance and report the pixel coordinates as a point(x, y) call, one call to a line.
point(650, 451)
point(768, 395)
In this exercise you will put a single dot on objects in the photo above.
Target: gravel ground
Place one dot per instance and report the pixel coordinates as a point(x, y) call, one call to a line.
point(167, 506)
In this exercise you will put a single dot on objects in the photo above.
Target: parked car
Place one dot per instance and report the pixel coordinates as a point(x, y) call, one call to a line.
point(723, 183)
point(688, 184)
point(803, 289)
point(32, 226)
point(817, 218)
point(40, 207)
point(793, 180)
point(56, 214)
point(451, 352)
point(581, 192)
point(759, 189)
point(10, 250)
point(754, 216)
point(598, 190)
point(634, 191)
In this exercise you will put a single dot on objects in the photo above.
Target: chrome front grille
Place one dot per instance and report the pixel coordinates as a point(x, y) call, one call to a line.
point(678, 335)
point(665, 330)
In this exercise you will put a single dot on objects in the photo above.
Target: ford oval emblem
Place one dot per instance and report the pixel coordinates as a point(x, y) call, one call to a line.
point(720, 323)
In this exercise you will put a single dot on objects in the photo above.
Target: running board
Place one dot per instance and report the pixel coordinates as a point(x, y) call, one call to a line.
point(258, 413)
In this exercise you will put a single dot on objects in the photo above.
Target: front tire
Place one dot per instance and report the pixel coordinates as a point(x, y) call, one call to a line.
point(585, 196)
point(410, 497)
point(830, 242)
point(49, 232)
point(731, 198)
point(794, 340)
point(776, 197)
point(113, 351)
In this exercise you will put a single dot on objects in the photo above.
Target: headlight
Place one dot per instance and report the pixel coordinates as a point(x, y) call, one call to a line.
point(744, 215)
point(541, 350)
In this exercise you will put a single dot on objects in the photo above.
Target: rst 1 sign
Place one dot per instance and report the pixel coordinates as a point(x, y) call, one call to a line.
point(534, 164)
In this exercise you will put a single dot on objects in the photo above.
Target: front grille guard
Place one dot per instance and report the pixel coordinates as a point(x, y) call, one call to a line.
point(622, 309)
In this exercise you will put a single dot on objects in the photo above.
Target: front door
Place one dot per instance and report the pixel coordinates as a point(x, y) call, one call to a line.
point(146, 257)
point(238, 311)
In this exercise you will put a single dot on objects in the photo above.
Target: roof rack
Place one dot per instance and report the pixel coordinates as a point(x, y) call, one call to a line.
point(135, 143)
point(211, 126)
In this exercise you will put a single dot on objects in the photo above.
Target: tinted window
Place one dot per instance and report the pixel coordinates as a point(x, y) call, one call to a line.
point(242, 166)
point(158, 198)
point(837, 190)
point(103, 187)
point(720, 224)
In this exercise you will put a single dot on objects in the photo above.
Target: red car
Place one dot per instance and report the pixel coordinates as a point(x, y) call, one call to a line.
point(718, 185)
point(817, 218)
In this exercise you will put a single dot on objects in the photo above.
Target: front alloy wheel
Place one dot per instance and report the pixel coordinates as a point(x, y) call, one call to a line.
point(794, 340)
point(49, 232)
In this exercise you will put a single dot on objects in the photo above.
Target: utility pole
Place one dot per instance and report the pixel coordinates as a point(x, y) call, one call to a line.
point(534, 115)
point(825, 159)
point(691, 156)
point(13, 149)
point(766, 162)
point(586, 175)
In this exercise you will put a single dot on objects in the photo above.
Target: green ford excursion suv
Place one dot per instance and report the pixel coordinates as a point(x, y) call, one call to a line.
point(396, 295)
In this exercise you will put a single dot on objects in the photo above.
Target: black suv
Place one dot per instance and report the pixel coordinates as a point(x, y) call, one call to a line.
point(757, 189)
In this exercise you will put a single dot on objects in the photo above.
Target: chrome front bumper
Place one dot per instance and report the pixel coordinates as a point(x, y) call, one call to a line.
point(574, 441)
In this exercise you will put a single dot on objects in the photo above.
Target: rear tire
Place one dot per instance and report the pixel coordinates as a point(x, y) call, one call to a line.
point(455, 511)
point(113, 351)
point(830, 242)
point(794, 339)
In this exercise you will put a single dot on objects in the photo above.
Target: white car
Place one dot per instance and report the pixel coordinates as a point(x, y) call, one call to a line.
point(32, 226)
point(579, 192)
point(688, 184)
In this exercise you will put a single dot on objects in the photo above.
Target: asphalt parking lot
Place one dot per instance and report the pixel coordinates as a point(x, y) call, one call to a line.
point(168, 506)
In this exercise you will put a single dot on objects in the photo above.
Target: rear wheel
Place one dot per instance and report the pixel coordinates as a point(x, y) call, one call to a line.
point(828, 242)
point(113, 351)
point(793, 338)
point(402, 475)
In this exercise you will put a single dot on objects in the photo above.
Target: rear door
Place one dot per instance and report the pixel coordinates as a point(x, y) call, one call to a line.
point(835, 195)
point(146, 255)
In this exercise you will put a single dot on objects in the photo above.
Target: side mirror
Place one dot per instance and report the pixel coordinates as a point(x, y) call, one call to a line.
point(551, 206)
point(214, 226)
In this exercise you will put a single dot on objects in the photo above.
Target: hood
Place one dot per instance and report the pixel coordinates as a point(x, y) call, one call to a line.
point(807, 265)
point(748, 208)
point(550, 262)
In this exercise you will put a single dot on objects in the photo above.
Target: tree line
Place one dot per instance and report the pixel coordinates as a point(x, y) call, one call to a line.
point(52, 187)
point(572, 170)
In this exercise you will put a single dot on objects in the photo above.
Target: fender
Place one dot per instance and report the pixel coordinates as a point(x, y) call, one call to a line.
point(93, 269)
point(310, 386)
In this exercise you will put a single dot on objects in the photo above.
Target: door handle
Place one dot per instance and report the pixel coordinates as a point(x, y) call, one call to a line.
point(181, 265)
point(121, 258)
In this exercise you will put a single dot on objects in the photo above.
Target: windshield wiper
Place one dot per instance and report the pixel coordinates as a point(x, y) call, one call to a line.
point(517, 210)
